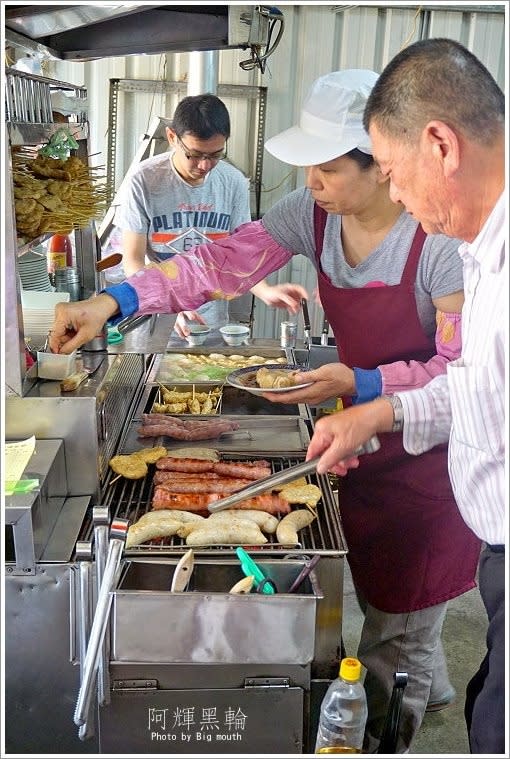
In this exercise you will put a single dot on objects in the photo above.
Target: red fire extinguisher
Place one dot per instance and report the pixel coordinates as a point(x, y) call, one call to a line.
point(60, 252)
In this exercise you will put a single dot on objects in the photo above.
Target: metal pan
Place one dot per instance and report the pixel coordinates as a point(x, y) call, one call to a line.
point(280, 478)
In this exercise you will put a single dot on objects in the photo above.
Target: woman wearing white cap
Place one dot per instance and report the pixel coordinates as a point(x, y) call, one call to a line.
point(383, 283)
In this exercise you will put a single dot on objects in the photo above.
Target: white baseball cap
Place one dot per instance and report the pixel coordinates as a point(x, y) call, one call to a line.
point(331, 121)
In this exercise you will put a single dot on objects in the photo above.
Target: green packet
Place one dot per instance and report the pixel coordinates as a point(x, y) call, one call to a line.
point(21, 486)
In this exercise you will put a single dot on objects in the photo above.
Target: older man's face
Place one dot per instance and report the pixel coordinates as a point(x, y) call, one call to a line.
point(416, 180)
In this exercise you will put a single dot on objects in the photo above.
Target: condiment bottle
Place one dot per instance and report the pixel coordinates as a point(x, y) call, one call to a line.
point(60, 252)
point(343, 712)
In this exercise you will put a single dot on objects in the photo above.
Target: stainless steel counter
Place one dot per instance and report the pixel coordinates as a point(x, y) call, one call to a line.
point(163, 339)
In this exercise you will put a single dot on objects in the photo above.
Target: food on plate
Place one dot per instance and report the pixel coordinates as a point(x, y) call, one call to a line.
point(166, 498)
point(267, 522)
point(157, 425)
point(307, 494)
point(249, 470)
point(226, 532)
point(131, 467)
point(289, 525)
point(209, 454)
point(156, 524)
point(244, 585)
point(275, 378)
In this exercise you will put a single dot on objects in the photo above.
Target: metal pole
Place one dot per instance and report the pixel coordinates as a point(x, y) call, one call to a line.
point(203, 72)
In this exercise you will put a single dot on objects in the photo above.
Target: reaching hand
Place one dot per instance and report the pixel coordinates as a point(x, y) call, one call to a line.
point(78, 322)
point(281, 296)
point(181, 325)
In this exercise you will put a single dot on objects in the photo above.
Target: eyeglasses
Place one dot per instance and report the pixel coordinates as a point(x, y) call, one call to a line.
point(197, 157)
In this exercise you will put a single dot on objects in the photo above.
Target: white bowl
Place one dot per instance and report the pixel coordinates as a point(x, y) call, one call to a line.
point(198, 334)
point(55, 366)
point(235, 334)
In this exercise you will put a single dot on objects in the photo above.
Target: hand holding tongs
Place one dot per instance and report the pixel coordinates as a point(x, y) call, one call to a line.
point(280, 478)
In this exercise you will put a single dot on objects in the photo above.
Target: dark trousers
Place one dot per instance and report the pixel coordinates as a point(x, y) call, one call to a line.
point(485, 694)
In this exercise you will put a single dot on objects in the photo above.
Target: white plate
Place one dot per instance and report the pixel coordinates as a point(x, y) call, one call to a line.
point(244, 379)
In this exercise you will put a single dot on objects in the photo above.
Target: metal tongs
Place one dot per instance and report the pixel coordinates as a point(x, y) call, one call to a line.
point(280, 478)
point(118, 533)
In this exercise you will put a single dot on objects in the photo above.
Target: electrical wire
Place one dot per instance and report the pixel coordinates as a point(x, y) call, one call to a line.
point(259, 61)
point(162, 77)
point(276, 187)
point(413, 30)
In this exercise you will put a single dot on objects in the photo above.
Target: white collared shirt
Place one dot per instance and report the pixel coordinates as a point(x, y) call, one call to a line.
point(467, 405)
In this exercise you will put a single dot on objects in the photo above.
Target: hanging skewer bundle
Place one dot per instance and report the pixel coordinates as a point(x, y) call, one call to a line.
point(55, 195)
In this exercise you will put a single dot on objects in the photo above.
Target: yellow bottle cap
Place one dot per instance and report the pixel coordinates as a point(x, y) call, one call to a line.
point(350, 669)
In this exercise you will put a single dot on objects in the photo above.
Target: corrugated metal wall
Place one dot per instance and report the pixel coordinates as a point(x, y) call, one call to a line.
point(318, 38)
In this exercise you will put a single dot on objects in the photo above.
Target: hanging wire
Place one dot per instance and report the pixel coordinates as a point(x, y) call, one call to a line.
point(287, 176)
point(161, 77)
point(257, 60)
point(413, 30)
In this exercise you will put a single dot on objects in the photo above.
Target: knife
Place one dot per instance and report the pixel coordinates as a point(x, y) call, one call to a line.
point(325, 331)
point(280, 478)
point(182, 572)
point(306, 322)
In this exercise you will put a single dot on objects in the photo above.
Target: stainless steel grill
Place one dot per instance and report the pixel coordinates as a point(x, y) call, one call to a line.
point(130, 499)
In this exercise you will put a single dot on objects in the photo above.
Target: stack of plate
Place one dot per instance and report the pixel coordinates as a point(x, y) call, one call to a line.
point(39, 314)
point(33, 272)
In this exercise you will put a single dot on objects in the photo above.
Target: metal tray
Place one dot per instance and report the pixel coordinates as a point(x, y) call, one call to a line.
point(258, 435)
point(207, 624)
point(163, 368)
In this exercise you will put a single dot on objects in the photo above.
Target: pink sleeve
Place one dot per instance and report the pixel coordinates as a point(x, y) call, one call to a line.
point(219, 270)
point(402, 375)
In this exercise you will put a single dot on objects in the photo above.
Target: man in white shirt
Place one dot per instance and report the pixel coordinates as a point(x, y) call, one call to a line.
point(436, 119)
point(178, 199)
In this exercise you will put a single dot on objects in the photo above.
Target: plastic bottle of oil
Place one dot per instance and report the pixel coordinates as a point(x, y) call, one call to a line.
point(343, 712)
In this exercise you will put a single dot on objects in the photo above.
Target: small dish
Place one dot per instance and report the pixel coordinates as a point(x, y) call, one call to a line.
point(198, 334)
point(234, 334)
point(244, 379)
point(55, 366)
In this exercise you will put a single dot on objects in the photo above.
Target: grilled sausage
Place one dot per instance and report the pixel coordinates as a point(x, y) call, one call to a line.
point(165, 499)
point(250, 470)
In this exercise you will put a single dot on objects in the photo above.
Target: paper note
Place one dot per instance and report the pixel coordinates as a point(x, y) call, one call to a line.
point(16, 457)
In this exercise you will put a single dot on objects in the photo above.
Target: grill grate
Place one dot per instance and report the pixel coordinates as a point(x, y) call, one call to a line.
point(114, 404)
point(130, 499)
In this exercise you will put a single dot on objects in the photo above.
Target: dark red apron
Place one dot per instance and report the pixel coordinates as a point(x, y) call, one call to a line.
point(409, 548)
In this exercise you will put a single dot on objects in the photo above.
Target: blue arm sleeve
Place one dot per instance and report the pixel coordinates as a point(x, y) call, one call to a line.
point(126, 297)
point(368, 385)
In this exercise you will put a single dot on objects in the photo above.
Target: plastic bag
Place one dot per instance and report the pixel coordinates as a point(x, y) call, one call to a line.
point(59, 145)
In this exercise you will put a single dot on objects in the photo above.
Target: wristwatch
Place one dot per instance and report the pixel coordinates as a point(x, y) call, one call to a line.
point(398, 412)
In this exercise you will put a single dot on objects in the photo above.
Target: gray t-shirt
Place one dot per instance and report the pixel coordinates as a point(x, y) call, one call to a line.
point(175, 216)
point(290, 223)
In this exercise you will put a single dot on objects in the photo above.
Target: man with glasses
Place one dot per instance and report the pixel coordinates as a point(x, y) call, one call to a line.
point(172, 202)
